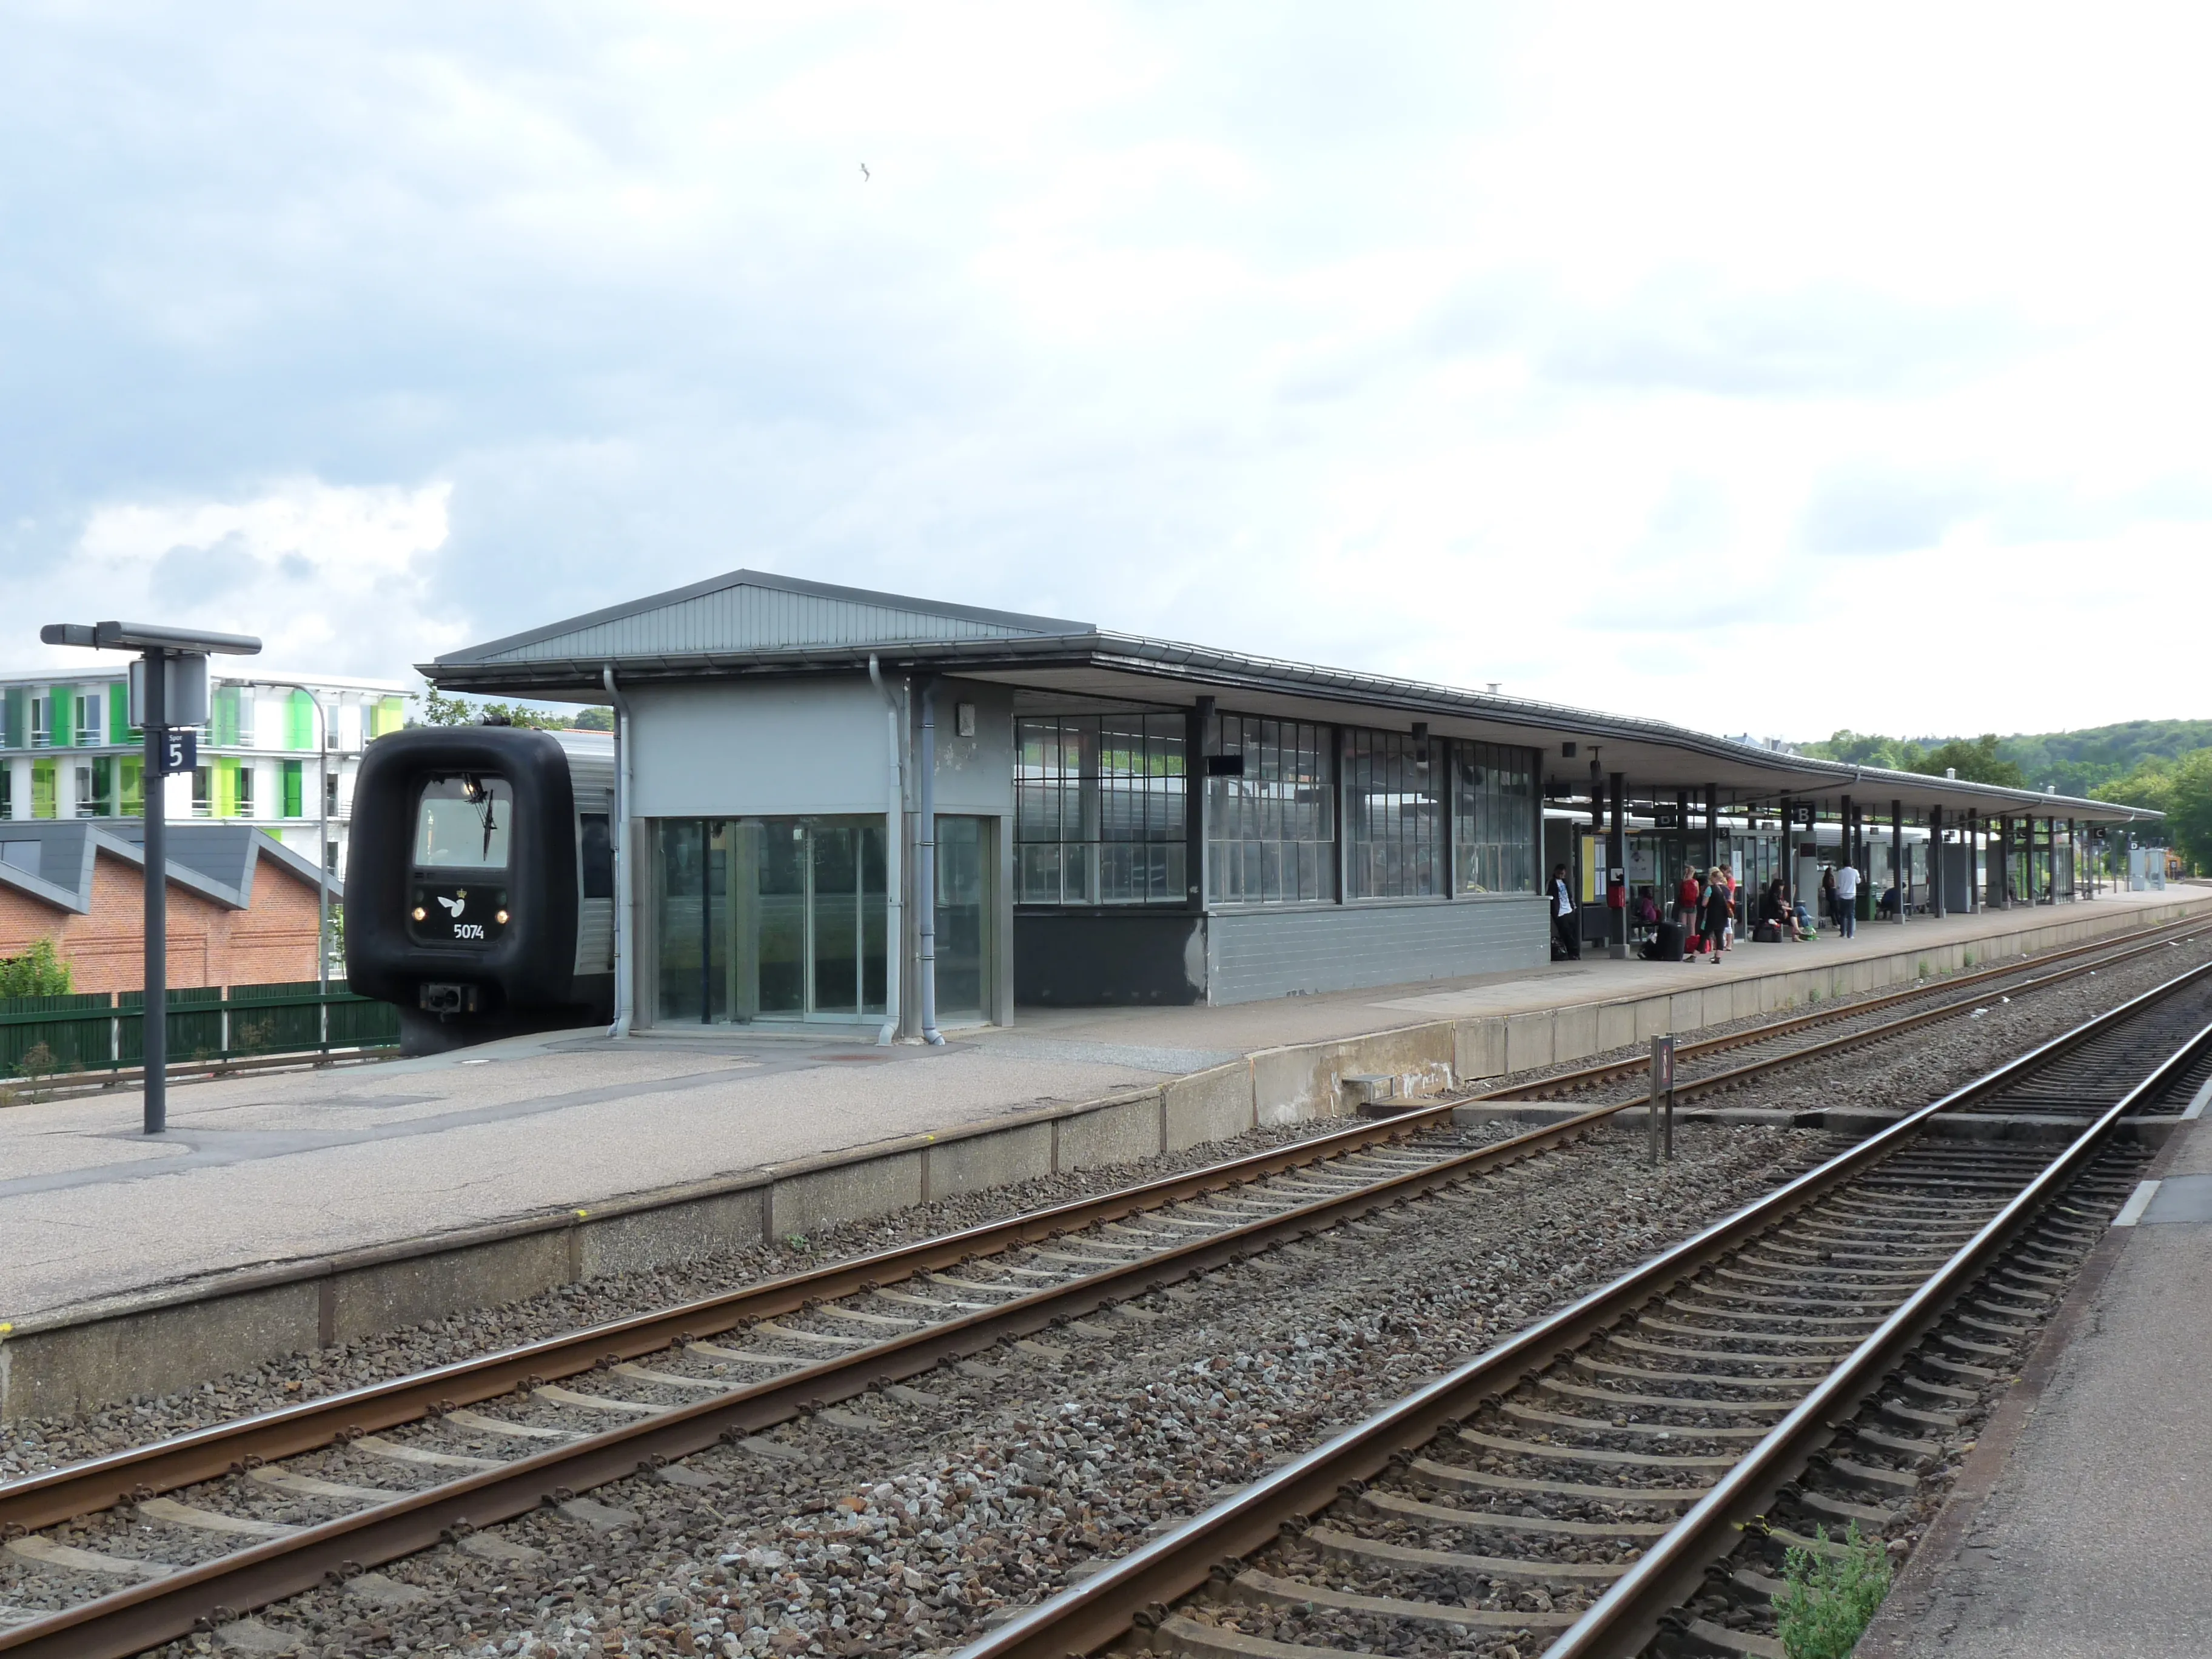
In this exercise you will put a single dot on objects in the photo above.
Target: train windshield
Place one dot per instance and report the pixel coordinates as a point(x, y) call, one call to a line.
point(463, 822)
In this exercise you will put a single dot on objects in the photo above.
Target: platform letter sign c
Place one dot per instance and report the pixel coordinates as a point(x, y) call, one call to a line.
point(180, 751)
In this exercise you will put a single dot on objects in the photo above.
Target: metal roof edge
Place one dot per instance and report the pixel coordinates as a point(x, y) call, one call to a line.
point(747, 578)
point(46, 892)
point(1136, 654)
point(179, 875)
point(266, 846)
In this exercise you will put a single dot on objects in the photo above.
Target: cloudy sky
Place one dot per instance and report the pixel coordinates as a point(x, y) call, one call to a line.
point(1766, 370)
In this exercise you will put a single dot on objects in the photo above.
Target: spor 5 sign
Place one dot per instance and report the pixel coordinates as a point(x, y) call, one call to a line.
point(457, 915)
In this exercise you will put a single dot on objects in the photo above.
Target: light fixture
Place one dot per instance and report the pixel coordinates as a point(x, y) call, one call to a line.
point(421, 915)
point(499, 916)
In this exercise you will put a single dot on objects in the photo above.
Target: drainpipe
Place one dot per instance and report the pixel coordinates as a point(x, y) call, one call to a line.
point(925, 868)
point(894, 827)
point(623, 931)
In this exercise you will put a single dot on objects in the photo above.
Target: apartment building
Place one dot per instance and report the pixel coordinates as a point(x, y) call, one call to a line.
point(276, 750)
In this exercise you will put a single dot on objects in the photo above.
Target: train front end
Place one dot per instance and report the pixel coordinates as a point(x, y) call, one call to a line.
point(462, 886)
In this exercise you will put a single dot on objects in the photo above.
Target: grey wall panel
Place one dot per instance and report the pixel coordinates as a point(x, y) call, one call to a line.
point(1255, 955)
point(720, 751)
point(973, 775)
point(1089, 959)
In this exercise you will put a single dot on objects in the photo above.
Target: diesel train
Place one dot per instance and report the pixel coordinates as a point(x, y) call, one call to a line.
point(480, 881)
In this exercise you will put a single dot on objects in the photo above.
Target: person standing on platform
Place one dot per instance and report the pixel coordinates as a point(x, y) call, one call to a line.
point(1847, 899)
point(1687, 897)
point(1828, 897)
point(1566, 927)
point(1715, 924)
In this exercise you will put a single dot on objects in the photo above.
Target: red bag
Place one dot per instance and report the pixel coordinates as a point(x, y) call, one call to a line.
point(1695, 943)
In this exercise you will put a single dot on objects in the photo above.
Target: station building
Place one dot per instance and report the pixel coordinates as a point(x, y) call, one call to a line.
point(1121, 820)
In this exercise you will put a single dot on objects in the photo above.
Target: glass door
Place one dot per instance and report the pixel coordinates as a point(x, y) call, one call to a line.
point(769, 919)
point(963, 913)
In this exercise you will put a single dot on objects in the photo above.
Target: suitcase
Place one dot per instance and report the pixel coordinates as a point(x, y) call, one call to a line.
point(1665, 943)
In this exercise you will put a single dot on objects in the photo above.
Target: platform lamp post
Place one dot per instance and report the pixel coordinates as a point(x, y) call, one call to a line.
point(169, 695)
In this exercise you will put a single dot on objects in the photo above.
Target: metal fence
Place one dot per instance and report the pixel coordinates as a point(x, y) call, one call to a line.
point(104, 1031)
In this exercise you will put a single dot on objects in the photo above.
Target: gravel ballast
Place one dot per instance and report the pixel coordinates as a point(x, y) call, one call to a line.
point(911, 1519)
point(983, 1491)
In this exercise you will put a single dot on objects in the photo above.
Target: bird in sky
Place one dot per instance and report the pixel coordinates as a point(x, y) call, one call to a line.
point(865, 174)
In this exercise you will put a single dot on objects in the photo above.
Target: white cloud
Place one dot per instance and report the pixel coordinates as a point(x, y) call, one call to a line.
point(1736, 365)
point(334, 579)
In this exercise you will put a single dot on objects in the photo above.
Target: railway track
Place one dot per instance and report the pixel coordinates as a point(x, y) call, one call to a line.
point(1715, 1064)
point(1635, 1465)
point(120, 1553)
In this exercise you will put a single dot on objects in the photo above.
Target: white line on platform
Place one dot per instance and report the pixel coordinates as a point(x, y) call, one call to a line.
point(2138, 1201)
point(2203, 1099)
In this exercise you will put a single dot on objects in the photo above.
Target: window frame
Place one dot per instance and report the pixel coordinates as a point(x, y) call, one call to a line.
point(1301, 794)
point(1489, 756)
point(1068, 781)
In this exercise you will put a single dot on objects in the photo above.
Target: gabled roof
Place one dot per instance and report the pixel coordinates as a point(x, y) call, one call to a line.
point(750, 610)
point(747, 625)
point(216, 860)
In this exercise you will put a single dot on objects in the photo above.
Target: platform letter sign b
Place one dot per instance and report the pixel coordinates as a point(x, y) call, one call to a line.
point(180, 751)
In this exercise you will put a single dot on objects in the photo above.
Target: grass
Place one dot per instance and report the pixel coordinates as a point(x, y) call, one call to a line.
point(1827, 1601)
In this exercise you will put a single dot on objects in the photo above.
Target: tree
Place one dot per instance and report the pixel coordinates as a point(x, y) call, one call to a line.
point(1977, 761)
point(595, 720)
point(439, 709)
point(2182, 789)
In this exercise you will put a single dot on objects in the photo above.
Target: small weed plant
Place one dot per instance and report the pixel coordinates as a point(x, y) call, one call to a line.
point(39, 972)
point(1826, 1601)
point(36, 1065)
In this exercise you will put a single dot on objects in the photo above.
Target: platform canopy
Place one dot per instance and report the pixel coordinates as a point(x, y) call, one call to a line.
point(750, 624)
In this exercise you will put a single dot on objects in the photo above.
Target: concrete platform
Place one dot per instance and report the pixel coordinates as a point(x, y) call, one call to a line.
point(2077, 1528)
point(331, 1204)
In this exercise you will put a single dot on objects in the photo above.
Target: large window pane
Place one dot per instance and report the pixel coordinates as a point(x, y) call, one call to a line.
point(1494, 818)
point(962, 917)
point(1272, 832)
point(783, 918)
point(679, 913)
point(1392, 827)
point(836, 922)
point(1099, 803)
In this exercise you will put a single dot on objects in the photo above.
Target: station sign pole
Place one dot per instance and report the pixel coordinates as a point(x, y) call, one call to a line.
point(153, 1006)
point(169, 691)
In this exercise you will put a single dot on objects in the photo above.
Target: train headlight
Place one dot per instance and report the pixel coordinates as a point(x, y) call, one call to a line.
point(421, 915)
point(501, 918)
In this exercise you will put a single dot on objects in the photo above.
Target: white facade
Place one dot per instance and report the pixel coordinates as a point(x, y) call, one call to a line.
point(67, 750)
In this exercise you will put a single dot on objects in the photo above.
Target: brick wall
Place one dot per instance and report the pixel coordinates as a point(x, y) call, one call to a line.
point(209, 944)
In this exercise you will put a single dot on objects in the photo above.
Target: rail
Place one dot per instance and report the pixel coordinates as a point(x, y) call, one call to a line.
point(168, 1607)
point(1105, 1606)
